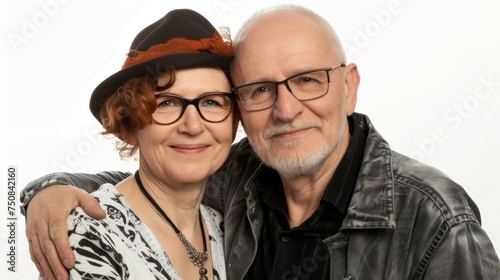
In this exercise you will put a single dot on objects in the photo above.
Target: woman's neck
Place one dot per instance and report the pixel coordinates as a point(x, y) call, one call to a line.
point(181, 205)
point(181, 202)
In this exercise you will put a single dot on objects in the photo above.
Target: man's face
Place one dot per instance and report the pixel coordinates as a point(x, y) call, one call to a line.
point(294, 137)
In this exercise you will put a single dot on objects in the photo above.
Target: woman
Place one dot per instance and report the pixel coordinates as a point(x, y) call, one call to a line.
point(156, 227)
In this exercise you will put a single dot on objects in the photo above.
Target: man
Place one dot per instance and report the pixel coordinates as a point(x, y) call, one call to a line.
point(314, 192)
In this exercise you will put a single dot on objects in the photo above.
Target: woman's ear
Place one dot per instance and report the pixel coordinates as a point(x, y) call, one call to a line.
point(129, 138)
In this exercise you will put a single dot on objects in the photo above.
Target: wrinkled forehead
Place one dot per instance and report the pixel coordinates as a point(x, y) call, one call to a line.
point(281, 39)
point(278, 46)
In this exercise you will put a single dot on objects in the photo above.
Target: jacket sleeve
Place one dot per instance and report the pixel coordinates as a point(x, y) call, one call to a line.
point(231, 176)
point(218, 184)
point(87, 182)
point(465, 252)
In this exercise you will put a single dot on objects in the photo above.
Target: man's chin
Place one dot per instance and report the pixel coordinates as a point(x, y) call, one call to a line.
point(292, 164)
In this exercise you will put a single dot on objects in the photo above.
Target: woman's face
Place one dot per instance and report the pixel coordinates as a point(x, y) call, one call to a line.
point(190, 149)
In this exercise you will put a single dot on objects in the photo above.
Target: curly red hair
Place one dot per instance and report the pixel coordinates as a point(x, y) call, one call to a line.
point(130, 109)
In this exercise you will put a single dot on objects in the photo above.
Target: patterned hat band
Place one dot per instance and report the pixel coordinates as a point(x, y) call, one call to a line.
point(214, 45)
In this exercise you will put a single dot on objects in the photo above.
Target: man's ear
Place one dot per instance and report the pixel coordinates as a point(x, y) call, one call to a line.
point(240, 108)
point(236, 122)
point(351, 79)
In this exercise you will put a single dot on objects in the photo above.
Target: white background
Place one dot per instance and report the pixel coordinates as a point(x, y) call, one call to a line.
point(429, 70)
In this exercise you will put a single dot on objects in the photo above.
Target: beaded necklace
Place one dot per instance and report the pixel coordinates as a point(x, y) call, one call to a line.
point(197, 258)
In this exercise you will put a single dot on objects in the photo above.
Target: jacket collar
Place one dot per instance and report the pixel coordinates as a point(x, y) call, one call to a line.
point(371, 205)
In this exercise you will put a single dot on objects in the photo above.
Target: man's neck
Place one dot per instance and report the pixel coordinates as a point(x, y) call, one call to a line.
point(303, 194)
point(303, 197)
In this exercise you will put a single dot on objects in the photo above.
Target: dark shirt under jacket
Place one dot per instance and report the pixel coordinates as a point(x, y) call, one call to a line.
point(299, 253)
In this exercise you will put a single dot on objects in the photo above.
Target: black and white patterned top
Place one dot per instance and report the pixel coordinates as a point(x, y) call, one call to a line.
point(122, 247)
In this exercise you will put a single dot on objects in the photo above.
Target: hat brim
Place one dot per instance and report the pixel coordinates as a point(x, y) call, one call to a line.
point(152, 67)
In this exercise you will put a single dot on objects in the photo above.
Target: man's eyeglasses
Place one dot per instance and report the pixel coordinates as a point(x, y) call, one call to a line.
point(213, 107)
point(303, 86)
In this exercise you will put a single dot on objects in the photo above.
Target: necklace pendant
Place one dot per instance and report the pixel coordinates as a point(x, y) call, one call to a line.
point(197, 258)
point(203, 273)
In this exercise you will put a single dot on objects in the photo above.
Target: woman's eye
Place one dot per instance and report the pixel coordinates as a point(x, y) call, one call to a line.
point(214, 101)
point(211, 103)
point(166, 101)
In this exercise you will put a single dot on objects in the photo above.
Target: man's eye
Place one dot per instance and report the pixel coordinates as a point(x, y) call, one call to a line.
point(262, 90)
point(306, 80)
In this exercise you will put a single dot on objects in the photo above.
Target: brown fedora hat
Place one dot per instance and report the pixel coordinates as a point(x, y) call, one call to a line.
point(181, 39)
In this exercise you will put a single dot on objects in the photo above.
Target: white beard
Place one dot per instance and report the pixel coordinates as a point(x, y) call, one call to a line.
point(292, 165)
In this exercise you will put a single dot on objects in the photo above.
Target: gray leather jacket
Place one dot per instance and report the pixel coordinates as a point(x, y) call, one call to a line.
point(406, 220)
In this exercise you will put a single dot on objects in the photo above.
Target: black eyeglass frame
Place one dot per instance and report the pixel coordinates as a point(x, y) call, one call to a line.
point(195, 102)
point(285, 81)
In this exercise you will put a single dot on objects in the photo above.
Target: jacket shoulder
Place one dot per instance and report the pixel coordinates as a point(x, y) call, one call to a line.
point(440, 192)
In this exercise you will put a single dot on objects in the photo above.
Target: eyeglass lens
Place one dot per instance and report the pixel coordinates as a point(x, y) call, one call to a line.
point(304, 86)
point(211, 107)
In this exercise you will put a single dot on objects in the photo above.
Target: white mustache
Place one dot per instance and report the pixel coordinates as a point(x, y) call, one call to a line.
point(290, 126)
